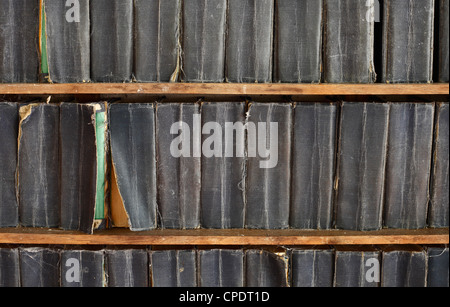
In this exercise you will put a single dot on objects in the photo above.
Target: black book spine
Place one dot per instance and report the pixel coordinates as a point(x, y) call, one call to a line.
point(127, 268)
point(157, 40)
point(82, 268)
point(313, 166)
point(404, 268)
point(223, 165)
point(266, 269)
point(39, 267)
point(174, 268)
point(298, 41)
point(312, 268)
point(9, 126)
point(438, 267)
point(352, 269)
point(250, 41)
point(221, 268)
point(444, 41)
point(9, 268)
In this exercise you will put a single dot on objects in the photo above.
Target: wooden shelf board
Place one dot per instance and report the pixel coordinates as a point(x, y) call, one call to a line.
point(26, 236)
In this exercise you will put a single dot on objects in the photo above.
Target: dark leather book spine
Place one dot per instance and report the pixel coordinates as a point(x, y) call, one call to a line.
point(38, 166)
point(127, 268)
point(352, 268)
point(404, 268)
point(362, 159)
point(438, 267)
point(443, 41)
point(39, 267)
point(19, 48)
point(408, 41)
point(221, 268)
point(132, 134)
point(157, 40)
point(438, 215)
point(408, 166)
point(174, 268)
point(313, 166)
point(204, 26)
point(82, 268)
point(111, 40)
point(312, 268)
point(269, 143)
point(249, 42)
point(68, 41)
point(298, 41)
point(9, 127)
point(9, 268)
point(348, 42)
point(179, 164)
point(266, 269)
point(223, 165)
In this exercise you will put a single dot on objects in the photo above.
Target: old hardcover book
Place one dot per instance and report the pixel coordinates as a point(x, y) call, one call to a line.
point(249, 41)
point(408, 28)
point(298, 41)
point(348, 41)
point(9, 126)
point(221, 268)
point(111, 40)
point(361, 160)
point(204, 27)
point(223, 165)
point(443, 41)
point(265, 268)
point(438, 268)
point(408, 165)
point(67, 35)
point(313, 165)
point(9, 268)
point(132, 134)
point(178, 146)
point(157, 40)
point(38, 166)
point(19, 52)
point(39, 267)
point(82, 268)
point(127, 267)
point(312, 267)
point(173, 268)
point(269, 143)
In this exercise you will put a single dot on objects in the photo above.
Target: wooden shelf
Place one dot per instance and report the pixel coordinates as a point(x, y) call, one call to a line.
point(27, 236)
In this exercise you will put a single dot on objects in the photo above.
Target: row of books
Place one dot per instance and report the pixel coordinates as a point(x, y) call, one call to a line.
point(357, 266)
point(240, 41)
point(222, 165)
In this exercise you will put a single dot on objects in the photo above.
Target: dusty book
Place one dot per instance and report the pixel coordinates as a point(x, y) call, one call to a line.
point(173, 268)
point(266, 268)
point(126, 267)
point(9, 268)
point(39, 267)
point(438, 267)
point(84, 268)
point(221, 268)
point(312, 267)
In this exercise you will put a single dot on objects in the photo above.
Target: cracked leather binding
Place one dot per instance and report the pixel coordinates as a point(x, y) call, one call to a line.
point(312, 267)
point(174, 268)
point(348, 42)
point(361, 160)
point(111, 40)
point(221, 268)
point(313, 166)
point(249, 41)
point(438, 268)
point(19, 36)
point(9, 268)
point(408, 165)
point(408, 41)
point(9, 126)
point(157, 34)
point(82, 268)
point(444, 41)
point(265, 268)
point(223, 175)
point(39, 267)
point(127, 268)
point(298, 41)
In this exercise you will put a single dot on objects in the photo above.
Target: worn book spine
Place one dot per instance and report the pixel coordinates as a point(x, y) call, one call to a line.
point(269, 142)
point(313, 165)
point(82, 268)
point(221, 268)
point(298, 41)
point(223, 165)
point(111, 40)
point(173, 268)
point(9, 268)
point(39, 267)
point(19, 48)
point(408, 165)
point(348, 41)
point(132, 138)
point(312, 267)
point(157, 40)
point(249, 44)
point(443, 41)
point(9, 126)
point(264, 268)
point(67, 34)
point(127, 268)
point(178, 146)
point(38, 166)
point(204, 26)
point(363, 139)
point(438, 267)
point(408, 39)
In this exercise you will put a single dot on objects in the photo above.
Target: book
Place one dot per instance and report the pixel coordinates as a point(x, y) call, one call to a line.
point(221, 268)
point(223, 165)
point(408, 166)
point(19, 54)
point(67, 35)
point(249, 42)
point(157, 40)
point(84, 268)
point(127, 267)
point(173, 268)
point(313, 165)
point(39, 267)
point(266, 268)
point(312, 267)
point(38, 165)
point(298, 41)
point(9, 126)
point(111, 40)
point(132, 141)
point(438, 269)
point(179, 164)
point(363, 141)
point(443, 55)
point(348, 42)
point(9, 268)
point(408, 39)
point(204, 28)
